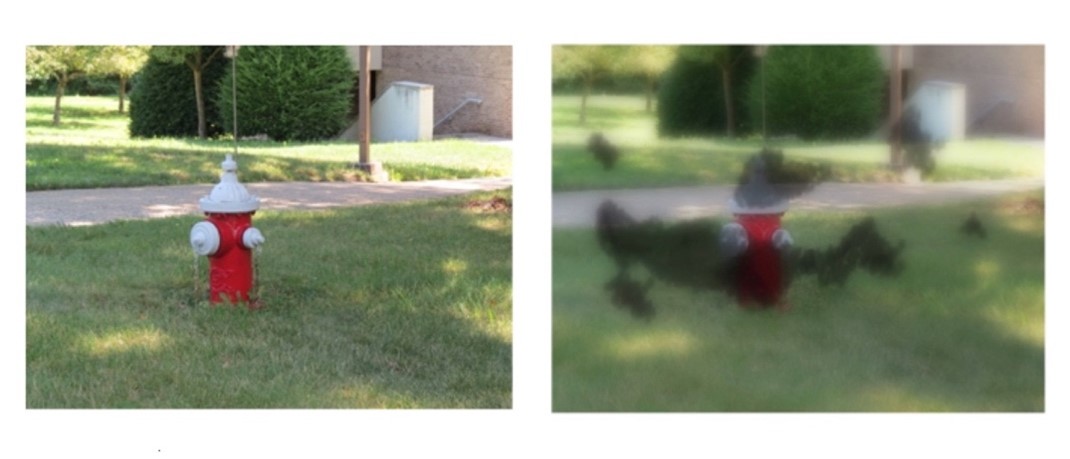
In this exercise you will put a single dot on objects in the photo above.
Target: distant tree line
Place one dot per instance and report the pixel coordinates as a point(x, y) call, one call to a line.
point(809, 92)
point(285, 92)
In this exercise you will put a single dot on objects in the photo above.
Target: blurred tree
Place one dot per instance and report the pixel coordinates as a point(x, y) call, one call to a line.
point(64, 63)
point(586, 64)
point(725, 58)
point(822, 91)
point(650, 62)
point(197, 59)
point(121, 61)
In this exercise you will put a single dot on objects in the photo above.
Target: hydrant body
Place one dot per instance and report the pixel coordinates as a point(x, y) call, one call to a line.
point(760, 276)
point(755, 241)
point(227, 238)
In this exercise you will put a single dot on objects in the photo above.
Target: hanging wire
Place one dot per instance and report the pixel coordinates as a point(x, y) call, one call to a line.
point(234, 95)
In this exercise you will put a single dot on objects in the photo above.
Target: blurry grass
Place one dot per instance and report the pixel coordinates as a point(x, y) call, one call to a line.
point(393, 306)
point(92, 149)
point(647, 161)
point(962, 329)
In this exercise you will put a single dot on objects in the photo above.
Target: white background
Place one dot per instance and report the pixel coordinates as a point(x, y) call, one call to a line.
point(530, 428)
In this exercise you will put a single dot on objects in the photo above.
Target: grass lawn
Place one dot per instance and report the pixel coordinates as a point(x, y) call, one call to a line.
point(92, 149)
point(960, 330)
point(647, 161)
point(392, 306)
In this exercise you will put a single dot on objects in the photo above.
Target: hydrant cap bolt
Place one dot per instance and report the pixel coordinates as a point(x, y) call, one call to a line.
point(204, 237)
point(229, 196)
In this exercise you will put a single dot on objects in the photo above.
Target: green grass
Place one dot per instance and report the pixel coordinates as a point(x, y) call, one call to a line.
point(648, 161)
point(92, 149)
point(961, 329)
point(393, 306)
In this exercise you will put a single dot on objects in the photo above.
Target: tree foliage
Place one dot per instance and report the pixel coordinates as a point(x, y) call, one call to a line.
point(289, 92)
point(650, 63)
point(726, 59)
point(62, 63)
point(123, 62)
point(197, 59)
point(586, 64)
point(163, 101)
point(820, 91)
point(692, 95)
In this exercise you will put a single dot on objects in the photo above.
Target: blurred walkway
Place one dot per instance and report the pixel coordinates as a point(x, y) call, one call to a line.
point(94, 206)
point(577, 209)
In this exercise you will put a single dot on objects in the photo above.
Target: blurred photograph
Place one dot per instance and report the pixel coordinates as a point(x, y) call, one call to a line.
point(798, 228)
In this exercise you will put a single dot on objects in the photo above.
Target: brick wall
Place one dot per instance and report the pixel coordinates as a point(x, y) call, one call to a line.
point(458, 73)
point(1004, 84)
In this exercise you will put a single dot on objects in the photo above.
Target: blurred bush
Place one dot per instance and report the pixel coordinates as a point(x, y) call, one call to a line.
point(819, 92)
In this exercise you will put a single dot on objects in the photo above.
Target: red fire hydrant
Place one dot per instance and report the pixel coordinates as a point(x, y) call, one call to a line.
point(759, 242)
point(227, 237)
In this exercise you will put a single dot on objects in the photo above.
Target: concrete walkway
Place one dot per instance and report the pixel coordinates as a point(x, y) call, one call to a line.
point(94, 206)
point(577, 209)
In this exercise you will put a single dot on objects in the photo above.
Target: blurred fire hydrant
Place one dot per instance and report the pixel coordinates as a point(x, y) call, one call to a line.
point(227, 237)
point(757, 241)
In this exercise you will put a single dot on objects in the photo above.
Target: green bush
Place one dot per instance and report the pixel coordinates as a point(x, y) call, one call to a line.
point(289, 92)
point(691, 94)
point(819, 91)
point(163, 102)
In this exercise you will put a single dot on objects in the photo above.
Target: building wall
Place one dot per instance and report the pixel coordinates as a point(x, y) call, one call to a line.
point(458, 73)
point(1004, 84)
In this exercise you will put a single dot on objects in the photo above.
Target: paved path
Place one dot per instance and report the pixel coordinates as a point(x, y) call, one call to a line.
point(88, 207)
point(577, 209)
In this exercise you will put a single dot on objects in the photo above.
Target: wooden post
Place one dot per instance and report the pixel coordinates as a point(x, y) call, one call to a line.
point(365, 104)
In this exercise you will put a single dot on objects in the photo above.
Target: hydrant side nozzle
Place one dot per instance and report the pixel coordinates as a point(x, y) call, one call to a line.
point(733, 240)
point(204, 238)
point(252, 238)
point(782, 239)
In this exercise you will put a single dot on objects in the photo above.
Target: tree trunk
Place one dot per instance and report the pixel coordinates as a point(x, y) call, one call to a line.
point(202, 127)
point(583, 102)
point(122, 92)
point(649, 95)
point(729, 108)
point(61, 85)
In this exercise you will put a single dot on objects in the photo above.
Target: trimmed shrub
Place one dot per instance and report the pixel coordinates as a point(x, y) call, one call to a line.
point(163, 102)
point(819, 91)
point(691, 95)
point(289, 92)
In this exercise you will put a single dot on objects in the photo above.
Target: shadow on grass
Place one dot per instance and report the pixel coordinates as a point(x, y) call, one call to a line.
point(402, 306)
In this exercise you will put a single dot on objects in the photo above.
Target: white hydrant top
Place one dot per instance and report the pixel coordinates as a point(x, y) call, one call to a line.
point(229, 196)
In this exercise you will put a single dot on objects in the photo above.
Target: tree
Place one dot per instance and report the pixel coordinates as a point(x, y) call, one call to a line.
point(197, 58)
point(288, 92)
point(64, 63)
point(121, 61)
point(725, 58)
point(650, 62)
point(822, 91)
point(586, 64)
point(163, 102)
